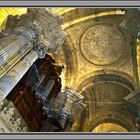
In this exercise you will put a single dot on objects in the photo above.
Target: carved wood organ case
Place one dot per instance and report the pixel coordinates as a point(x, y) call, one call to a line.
point(30, 103)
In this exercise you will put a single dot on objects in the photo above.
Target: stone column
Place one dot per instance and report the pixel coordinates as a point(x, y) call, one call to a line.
point(12, 44)
point(11, 78)
point(67, 105)
point(29, 41)
point(14, 59)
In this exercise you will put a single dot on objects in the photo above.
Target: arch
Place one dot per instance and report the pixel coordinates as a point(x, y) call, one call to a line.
point(124, 119)
point(109, 127)
point(106, 75)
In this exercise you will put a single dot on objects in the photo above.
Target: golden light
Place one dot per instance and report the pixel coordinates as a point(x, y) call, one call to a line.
point(61, 11)
point(138, 57)
point(75, 21)
point(4, 12)
point(109, 127)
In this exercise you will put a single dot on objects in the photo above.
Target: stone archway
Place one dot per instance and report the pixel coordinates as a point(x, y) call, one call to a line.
point(104, 95)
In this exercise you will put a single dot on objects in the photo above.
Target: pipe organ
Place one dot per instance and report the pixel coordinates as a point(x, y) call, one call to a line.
point(31, 38)
point(36, 90)
point(29, 77)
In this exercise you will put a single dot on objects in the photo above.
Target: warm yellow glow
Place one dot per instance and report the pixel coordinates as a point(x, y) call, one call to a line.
point(4, 12)
point(62, 79)
point(109, 127)
point(115, 12)
point(60, 11)
point(138, 57)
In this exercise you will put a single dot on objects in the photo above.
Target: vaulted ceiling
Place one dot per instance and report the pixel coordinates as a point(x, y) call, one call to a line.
point(101, 60)
point(95, 44)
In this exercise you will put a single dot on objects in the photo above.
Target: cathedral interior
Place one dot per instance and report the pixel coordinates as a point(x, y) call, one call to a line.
point(69, 70)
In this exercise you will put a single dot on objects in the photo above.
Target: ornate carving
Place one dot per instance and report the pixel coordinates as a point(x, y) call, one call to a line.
point(41, 92)
point(52, 34)
point(42, 31)
point(10, 118)
point(101, 44)
point(65, 107)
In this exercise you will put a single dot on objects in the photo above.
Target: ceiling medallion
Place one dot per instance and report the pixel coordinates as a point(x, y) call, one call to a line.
point(102, 44)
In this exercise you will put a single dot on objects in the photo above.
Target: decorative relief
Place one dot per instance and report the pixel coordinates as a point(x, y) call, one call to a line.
point(10, 119)
point(102, 44)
